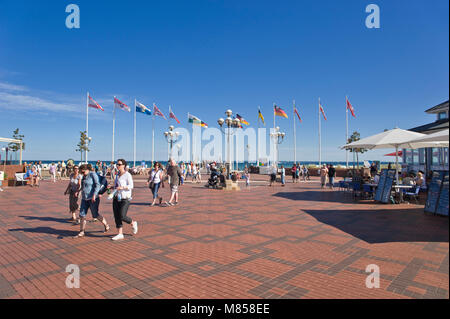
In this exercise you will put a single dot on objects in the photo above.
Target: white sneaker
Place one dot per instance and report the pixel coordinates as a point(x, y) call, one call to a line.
point(118, 237)
point(134, 226)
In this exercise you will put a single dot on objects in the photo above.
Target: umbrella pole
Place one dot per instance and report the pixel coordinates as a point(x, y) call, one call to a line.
point(396, 164)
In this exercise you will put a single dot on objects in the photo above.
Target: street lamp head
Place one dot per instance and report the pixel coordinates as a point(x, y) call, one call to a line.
point(220, 121)
point(236, 122)
point(166, 134)
point(229, 113)
point(283, 135)
point(171, 127)
point(277, 128)
point(229, 121)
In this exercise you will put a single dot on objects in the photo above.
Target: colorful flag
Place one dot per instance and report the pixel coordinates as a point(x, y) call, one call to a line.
point(141, 108)
point(260, 116)
point(296, 112)
point(172, 116)
point(156, 111)
point(121, 105)
point(279, 111)
point(94, 104)
point(204, 124)
point(350, 107)
point(323, 112)
point(194, 120)
point(243, 121)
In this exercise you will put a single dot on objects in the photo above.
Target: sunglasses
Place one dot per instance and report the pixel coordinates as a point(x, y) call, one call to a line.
point(120, 164)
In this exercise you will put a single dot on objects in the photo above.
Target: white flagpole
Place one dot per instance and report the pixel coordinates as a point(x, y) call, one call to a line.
point(134, 150)
point(153, 135)
point(346, 135)
point(257, 140)
point(274, 142)
point(320, 142)
point(168, 143)
point(87, 124)
point(295, 137)
point(114, 125)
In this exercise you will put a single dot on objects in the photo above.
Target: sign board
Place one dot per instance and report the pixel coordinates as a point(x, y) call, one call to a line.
point(380, 187)
point(442, 207)
point(388, 186)
point(434, 190)
point(437, 188)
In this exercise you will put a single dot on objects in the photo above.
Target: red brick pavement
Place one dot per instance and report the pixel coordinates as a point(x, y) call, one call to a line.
point(282, 242)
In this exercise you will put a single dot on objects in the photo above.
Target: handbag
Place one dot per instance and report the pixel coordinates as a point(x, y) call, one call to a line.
point(151, 185)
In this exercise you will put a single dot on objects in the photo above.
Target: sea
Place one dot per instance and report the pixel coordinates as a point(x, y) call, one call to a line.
point(241, 165)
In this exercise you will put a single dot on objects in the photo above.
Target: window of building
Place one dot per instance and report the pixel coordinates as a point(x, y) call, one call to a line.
point(442, 115)
point(415, 155)
point(435, 156)
point(408, 156)
point(422, 156)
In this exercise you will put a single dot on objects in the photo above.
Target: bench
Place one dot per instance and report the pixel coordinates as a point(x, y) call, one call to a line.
point(20, 177)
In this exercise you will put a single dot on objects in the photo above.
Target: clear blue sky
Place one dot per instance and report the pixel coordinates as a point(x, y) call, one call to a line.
point(206, 55)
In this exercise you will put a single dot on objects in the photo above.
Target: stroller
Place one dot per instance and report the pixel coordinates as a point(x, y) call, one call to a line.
point(215, 180)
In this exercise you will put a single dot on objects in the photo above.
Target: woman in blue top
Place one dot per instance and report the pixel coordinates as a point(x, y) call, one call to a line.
point(90, 186)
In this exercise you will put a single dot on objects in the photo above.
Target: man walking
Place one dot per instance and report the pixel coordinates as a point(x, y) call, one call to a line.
point(174, 172)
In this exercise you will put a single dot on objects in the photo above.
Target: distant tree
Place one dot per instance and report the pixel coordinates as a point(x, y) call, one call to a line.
point(14, 147)
point(82, 144)
point(353, 138)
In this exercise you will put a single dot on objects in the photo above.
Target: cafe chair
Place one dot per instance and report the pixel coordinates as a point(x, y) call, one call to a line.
point(368, 191)
point(414, 194)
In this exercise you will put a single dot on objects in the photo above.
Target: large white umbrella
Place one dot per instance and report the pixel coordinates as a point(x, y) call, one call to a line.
point(395, 138)
point(440, 137)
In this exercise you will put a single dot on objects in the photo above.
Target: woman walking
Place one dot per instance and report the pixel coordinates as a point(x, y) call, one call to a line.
point(294, 172)
point(155, 182)
point(323, 176)
point(90, 186)
point(123, 186)
point(73, 190)
point(52, 171)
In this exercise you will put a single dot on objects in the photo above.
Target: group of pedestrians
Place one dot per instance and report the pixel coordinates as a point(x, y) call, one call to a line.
point(86, 184)
point(327, 172)
point(89, 184)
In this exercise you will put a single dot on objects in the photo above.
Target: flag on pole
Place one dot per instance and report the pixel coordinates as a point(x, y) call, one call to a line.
point(172, 116)
point(261, 117)
point(279, 111)
point(298, 115)
point(243, 121)
point(323, 112)
point(120, 104)
point(194, 120)
point(204, 124)
point(94, 104)
point(156, 111)
point(141, 108)
point(350, 107)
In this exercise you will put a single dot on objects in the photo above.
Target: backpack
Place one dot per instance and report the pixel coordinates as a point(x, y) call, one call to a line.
point(104, 182)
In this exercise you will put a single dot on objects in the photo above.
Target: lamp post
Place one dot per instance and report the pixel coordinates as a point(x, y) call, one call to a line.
point(5, 149)
point(171, 137)
point(87, 142)
point(229, 123)
point(278, 138)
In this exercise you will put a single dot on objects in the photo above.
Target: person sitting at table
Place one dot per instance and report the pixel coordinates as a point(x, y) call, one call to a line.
point(420, 181)
point(408, 180)
point(376, 179)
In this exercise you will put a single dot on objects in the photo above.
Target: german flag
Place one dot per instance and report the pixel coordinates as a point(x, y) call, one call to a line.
point(279, 111)
point(243, 121)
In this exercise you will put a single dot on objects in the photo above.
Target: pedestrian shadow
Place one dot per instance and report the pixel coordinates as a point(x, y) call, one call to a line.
point(140, 204)
point(386, 225)
point(46, 230)
point(48, 219)
point(61, 233)
point(324, 196)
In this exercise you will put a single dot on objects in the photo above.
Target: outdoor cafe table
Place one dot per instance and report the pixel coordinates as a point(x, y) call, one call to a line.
point(399, 188)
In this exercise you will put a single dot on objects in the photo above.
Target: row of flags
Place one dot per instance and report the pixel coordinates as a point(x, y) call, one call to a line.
point(141, 108)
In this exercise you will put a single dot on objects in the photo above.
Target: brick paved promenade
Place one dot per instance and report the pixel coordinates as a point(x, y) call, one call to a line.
point(290, 242)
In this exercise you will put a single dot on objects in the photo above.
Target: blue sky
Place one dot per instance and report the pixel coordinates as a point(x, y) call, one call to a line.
point(206, 56)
